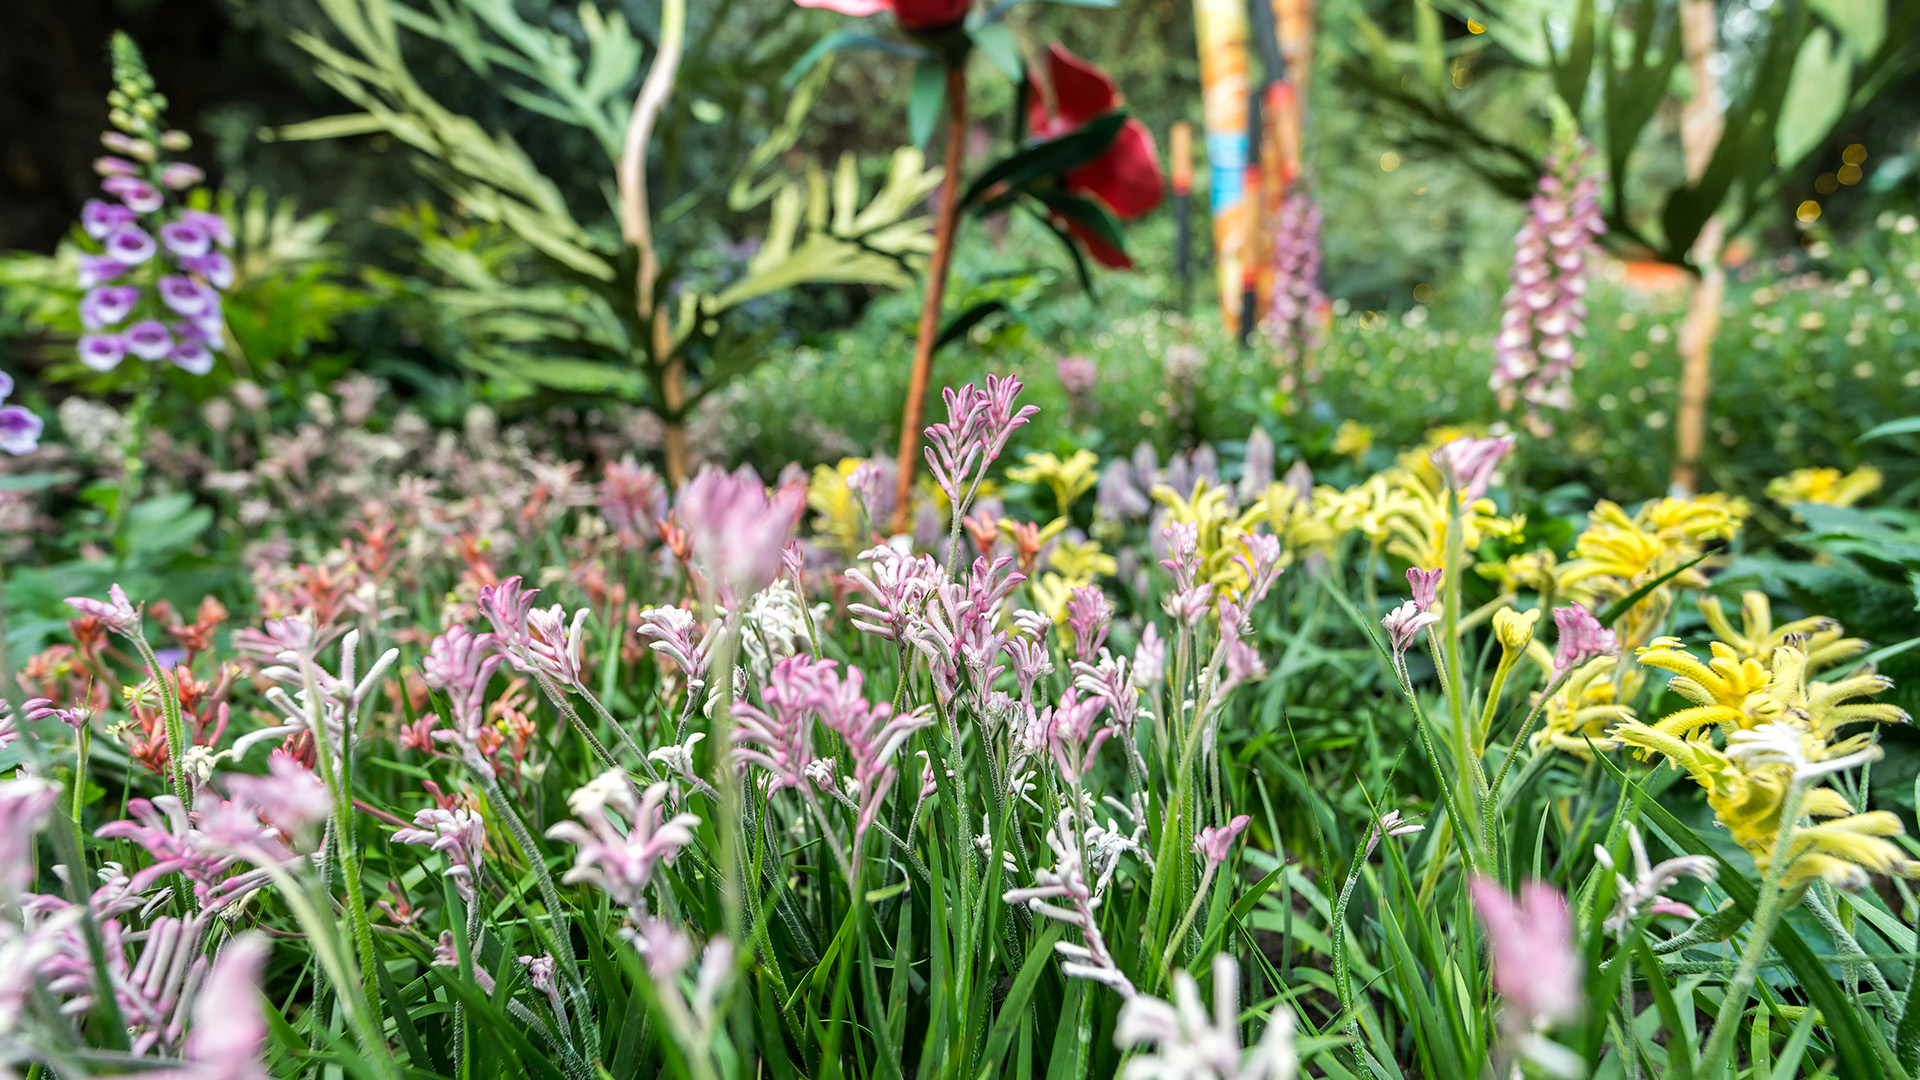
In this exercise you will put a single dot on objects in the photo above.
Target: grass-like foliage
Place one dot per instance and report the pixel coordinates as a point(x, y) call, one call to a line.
point(505, 779)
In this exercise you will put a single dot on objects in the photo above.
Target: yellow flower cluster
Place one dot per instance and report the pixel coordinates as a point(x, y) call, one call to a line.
point(1405, 509)
point(1300, 526)
point(1824, 487)
point(1618, 553)
point(1737, 693)
point(1590, 703)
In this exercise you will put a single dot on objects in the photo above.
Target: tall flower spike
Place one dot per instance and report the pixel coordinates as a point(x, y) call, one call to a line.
point(1425, 585)
point(898, 583)
point(673, 633)
point(874, 734)
point(1545, 309)
point(622, 862)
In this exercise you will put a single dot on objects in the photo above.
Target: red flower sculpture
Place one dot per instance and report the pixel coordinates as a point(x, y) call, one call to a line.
point(1127, 176)
point(914, 16)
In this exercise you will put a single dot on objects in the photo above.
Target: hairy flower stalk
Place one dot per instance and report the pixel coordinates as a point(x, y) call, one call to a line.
point(119, 616)
point(1545, 309)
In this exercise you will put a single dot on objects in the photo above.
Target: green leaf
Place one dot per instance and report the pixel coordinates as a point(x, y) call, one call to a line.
point(36, 481)
point(929, 92)
point(1816, 96)
point(1906, 426)
point(847, 39)
point(1625, 604)
point(996, 41)
point(957, 328)
point(1861, 23)
point(1050, 158)
point(1014, 1008)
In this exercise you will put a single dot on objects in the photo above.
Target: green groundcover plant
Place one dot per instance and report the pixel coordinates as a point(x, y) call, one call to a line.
point(572, 779)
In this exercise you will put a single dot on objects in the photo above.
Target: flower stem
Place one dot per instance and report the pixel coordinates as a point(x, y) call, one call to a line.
point(945, 226)
point(170, 714)
point(1773, 905)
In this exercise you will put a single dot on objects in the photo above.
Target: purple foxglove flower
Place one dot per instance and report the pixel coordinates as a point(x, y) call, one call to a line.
point(1544, 312)
point(459, 834)
point(99, 217)
point(1216, 841)
point(123, 143)
point(116, 611)
point(1531, 944)
point(129, 245)
point(185, 295)
point(1089, 616)
point(1581, 638)
point(1296, 312)
point(148, 339)
point(19, 430)
point(208, 329)
point(290, 797)
point(107, 305)
point(191, 357)
point(24, 803)
point(1425, 585)
point(102, 352)
point(1404, 623)
point(114, 166)
point(6, 386)
point(95, 269)
point(622, 862)
point(214, 266)
point(140, 196)
point(212, 224)
point(737, 529)
point(179, 176)
point(185, 239)
point(1467, 464)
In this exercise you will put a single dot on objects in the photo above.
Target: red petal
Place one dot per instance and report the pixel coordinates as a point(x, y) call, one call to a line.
point(1103, 253)
point(920, 16)
point(1127, 177)
point(1081, 91)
